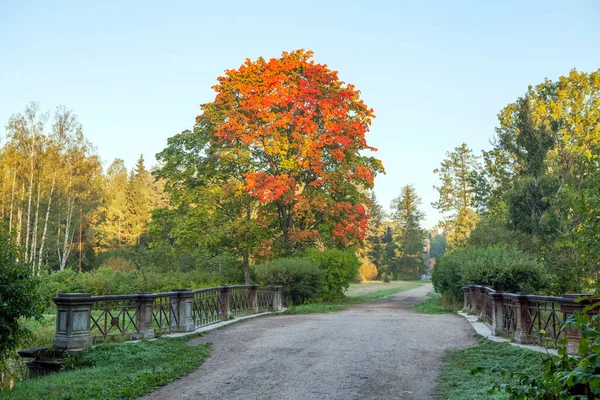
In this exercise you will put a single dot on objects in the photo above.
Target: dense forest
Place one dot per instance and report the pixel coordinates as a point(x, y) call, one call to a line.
point(525, 213)
point(238, 189)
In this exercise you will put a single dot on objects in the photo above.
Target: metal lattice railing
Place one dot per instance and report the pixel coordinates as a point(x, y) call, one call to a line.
point(509, 315)
point(165, 313)
point(83, 319)
point(239, 301)
point(544, 321)
point(113, 316)
point(264, 297)
point(206, 307)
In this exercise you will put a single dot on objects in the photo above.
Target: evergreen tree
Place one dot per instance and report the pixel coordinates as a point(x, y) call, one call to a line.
point(139, 197)
point(456, 194)
point(409, 236)
point(373, 248)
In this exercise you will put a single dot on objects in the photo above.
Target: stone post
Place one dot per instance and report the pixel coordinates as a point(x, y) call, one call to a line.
point(253, 299)
point(143, 317)
point(186, 307)
point(482, 294)
point(225, 309)
point(275, 304)
point(497, 314)
point(568, 308)
point(466, 297)
point(73, 312)
point(523, 322)
point(473, 309)
point(174, 311)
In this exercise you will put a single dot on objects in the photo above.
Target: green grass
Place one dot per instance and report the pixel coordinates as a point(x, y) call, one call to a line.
point(116, 371)
point(347, 301)
point(433, 305)
point(42, 331)
point(457, 382)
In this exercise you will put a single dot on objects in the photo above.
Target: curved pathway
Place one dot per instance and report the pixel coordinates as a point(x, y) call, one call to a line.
point(376, 350)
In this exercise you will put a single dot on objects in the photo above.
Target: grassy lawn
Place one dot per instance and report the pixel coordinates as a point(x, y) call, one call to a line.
point(357, 293)
point(116, 371)
point(456, 381)
point(433, 305)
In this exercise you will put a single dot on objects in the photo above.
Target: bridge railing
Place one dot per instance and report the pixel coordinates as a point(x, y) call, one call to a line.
point(83, 320)
point(525, 318)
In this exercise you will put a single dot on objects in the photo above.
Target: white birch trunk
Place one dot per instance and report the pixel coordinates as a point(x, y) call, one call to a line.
point(34, 233)
point(66, 247)
point(41, 252)
point(20, 217)
point(30, 195)
point(12, 198)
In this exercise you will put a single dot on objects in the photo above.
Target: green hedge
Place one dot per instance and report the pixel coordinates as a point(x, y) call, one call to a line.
point(302, 279)
point(504, 269)
point(107, 281)
point(339, 266)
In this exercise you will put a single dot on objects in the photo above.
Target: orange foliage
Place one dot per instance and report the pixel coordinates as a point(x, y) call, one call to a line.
point(302, 131)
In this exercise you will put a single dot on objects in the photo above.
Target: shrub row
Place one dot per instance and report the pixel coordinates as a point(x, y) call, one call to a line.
point(319, 274)
point(503, 269)
point(108, 281)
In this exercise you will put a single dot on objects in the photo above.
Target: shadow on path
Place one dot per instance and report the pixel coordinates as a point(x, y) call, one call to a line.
point(376, 350)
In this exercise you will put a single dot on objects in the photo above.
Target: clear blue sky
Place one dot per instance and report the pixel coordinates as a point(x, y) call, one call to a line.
point(436, 74)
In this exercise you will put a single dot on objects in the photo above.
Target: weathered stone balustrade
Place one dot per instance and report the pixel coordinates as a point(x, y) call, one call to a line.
point(82, 319)
point(525, 318)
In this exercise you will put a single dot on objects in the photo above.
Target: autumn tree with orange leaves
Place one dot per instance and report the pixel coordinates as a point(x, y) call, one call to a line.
point(285, 139)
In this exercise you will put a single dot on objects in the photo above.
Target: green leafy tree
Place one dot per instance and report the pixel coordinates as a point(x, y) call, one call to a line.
point(456, 194)
point(19, 297)
point(112, 230)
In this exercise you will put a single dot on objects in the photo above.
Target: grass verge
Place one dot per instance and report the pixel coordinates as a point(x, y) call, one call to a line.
point(433, 305)
point(116, 371)
point(457, 382)
point(347, 301)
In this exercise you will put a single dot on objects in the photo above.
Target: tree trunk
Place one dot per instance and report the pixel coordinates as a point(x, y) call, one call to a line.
point(246, 266)
point(80, 234)
point(41, 252)
point(35, 232)
point(66, 247)
point(20, 216)
point(12, 198)
point(29, 197)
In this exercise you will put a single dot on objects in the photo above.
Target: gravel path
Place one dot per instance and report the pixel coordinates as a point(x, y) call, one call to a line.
point(376, 350)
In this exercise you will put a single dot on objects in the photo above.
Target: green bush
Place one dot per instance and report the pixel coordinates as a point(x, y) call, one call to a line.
point(503, 269)
point(19, 296)
point(302, 279)
point(340, 268)
point(108, 281)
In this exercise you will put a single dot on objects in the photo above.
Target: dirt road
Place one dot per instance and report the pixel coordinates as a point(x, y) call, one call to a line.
point(376, 350)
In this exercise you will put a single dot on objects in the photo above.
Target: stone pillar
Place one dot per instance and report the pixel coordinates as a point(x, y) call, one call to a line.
point(497, 314)
point(573, 334)
point(73, 312)
point(523, 322)
point(473, 309)
point(143, 317)
point(225, 313)
point(466, 298)
point(253, 299)
point(275, 304)
point(482, 295)
point(174, 311)
point(186, 307)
